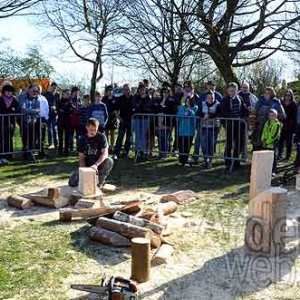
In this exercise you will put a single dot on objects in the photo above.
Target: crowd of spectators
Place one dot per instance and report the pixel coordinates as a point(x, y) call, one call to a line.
point(182, 118)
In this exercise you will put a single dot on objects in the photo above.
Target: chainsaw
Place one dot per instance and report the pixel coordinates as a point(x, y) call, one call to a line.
point(115, 288)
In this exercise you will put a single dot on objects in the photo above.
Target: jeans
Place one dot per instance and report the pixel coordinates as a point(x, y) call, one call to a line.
point(209, 138)
point(163, 141)
point(52, 131)
point(63, 137)
point(286, 138)
point(197, 142)
point(184, 147)
point(103, 171)
point(141, 128)
point(124, 128)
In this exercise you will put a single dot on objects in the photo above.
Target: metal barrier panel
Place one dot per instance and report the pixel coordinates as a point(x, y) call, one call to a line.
point(19, 133)
point(190, 138)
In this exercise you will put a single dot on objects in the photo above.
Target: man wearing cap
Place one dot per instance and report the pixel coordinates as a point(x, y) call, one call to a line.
point(52, 97)
point(210, 86)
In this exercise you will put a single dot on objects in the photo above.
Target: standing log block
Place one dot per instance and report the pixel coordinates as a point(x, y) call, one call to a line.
point(122, 217)
point(19, 202)
point(162, 254)
point(180, 197)
point(140, 265)
point(107, 237)
point(54, 193)
point(167, 208)
point(125, 229)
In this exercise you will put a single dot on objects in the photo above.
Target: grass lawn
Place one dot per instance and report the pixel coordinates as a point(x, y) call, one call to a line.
point(40, 258)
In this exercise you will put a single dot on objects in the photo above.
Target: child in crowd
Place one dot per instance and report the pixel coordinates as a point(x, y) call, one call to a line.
point(63, 122)
point(93, 153)
point(270, 135)
point(98, 111)
point(112, 124)
point(84, 112)
point(186, 129)
point(208, 111)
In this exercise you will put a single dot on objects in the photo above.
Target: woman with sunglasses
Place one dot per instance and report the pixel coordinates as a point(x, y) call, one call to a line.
point(30, 122)
point(289, 125)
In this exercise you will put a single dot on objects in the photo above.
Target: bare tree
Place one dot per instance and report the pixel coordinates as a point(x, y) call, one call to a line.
point(158, 41)
point(230, 30)
point(87, 27)
point(9, 8)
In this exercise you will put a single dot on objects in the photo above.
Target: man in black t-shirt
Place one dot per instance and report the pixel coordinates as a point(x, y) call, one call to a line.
point(93, 153)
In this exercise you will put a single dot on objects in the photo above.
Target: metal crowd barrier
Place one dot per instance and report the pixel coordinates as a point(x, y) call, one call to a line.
point(190, 138)
point(19, 133)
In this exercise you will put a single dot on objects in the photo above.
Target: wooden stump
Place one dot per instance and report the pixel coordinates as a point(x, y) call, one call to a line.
point(107, 237)
point(54, 193)
point(19, 202)
point(140, 265)
point(125, 229)
point(122, 217)
point(163, 254)
point(87, 181)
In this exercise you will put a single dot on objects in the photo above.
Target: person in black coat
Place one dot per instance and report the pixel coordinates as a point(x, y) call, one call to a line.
point(9, 106)
point(233, 108)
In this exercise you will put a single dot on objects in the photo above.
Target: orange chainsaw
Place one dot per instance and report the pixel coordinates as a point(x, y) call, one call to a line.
point(116, 288)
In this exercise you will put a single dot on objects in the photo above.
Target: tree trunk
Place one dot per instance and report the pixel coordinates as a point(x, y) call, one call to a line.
point(225, 68)
point(94, 81)
point(125, 229)
point(138, 222)
point(108, 237)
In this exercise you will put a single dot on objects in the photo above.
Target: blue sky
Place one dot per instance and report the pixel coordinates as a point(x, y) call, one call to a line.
point(22, 33)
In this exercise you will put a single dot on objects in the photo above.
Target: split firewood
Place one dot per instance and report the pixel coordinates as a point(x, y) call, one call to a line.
point(87, 203)
point(46, 201)
point(19, 202)
point(104, 236)
point(125, 229)
point(163, 254)
point(54, 193)
point(156, 241)
point(122, 217)
point(181, 197)
point(67, 214)
point(108, 188)
point(167, 208)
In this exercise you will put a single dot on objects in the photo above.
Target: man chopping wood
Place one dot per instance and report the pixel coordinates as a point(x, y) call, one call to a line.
point(93, 153)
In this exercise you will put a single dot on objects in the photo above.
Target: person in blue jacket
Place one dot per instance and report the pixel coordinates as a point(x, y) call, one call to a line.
point(186, 129)
point(99, 112)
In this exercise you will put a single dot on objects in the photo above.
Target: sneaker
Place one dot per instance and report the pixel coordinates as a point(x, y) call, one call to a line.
point(115, 157)
point(274, 175)
point(51, 147)
point(209, 165)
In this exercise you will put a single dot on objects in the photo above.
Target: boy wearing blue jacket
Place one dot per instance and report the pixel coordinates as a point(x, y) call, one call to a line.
point(99, 112)
point(186, 129)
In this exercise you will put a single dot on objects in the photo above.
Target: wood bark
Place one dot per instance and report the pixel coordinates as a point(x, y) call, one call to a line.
point(180, 197)
point(125, 229)
point(19, 202)
point(163, 254)
point(122, 217)
point(140, 265)
point(107, 237)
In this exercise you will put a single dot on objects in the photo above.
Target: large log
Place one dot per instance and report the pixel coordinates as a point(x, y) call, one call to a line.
point(163, 254)
point(167, 208)
point(107, 237)
point(180, 197)
point(125, 229)
point(140, 264)
point(46, 201)
point(54, 193)
point(122, 217)
point(67, 214)
point(19, 202)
